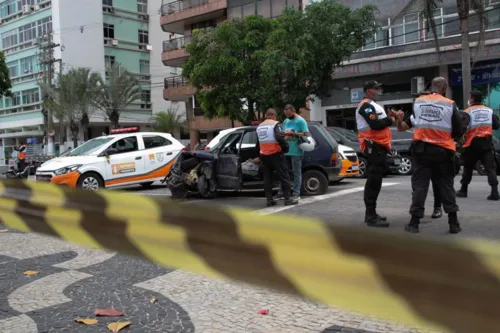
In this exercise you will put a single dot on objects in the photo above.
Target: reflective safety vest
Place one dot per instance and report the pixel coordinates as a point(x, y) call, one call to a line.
point(481, 123)
point(432, 120)
point(22, 153)
point(267, 140)
point(383, 137)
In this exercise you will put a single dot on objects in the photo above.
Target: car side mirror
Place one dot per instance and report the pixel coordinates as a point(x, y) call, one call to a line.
point(111, 151)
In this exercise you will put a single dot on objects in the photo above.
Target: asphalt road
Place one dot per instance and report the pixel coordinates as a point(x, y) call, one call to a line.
point(72, 282)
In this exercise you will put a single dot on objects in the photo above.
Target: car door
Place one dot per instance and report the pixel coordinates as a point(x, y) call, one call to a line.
point(228, 164)
point(126, 165)
point(159, 155)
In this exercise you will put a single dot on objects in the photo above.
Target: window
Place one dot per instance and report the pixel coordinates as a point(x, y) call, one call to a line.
point(30, 96)
point(107, 3)
point(126, 145)
point(155, 141)
point(44, 26)
point(451, 23)
point(109, 31)
point(143, 37)
point(13, 67)
point(493, 19)
point(438, 19)
point(109, 61)
point(146, 96)
point(381, 37)
point(29, 64)
point(142, 6)
point(249, 140)
point(27, 32)
point(230, 144)
point(144, 66)
point(16, 98)
point(9, 38)
point(208, 24)
point(21, 3)
point(408, 31)
point(7, 8)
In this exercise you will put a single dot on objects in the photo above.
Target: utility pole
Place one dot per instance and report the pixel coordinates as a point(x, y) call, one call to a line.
point(47, 61)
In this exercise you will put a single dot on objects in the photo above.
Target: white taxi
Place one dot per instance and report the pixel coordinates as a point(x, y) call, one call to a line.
point(124, 157)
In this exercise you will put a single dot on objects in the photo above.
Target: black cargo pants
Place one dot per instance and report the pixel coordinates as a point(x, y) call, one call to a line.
point(436, 163)
point(479, 150)
point(376, 166)
point(270, 164)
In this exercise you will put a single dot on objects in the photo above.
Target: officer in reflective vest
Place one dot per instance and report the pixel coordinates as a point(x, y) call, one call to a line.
point(272, 148)
point(436, 122)
point(478, 144)
point(21, 156)
point(375, 138)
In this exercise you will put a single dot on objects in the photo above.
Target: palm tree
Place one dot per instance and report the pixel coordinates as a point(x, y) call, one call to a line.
point(87, 92)
point(116, 93)
point(168, 121)
point(464, 8)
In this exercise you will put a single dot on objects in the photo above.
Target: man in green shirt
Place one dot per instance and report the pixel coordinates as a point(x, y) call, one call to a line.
point(294, 126)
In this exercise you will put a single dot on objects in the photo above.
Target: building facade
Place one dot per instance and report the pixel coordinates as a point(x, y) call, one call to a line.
point(402, 55)
point(178, 20)
point(90, 34)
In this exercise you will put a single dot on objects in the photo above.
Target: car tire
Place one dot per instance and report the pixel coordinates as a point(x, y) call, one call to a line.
point(90, 181)
point(362, 167)
point(203, 188)
point(146, 185)
point(406, 167)
point(314, 182)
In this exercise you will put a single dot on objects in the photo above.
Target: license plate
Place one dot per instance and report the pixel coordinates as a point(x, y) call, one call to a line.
point(355, 168)
point(42, 178)
point(397, 161)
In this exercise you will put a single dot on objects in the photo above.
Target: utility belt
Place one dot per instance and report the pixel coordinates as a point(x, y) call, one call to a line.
point(372, 146)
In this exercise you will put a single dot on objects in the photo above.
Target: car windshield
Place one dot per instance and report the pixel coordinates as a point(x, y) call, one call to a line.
point(90, 147)
point(349, 134)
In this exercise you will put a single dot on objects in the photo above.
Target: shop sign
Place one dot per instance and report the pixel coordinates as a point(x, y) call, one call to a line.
point(483, 73)
point(357, 95)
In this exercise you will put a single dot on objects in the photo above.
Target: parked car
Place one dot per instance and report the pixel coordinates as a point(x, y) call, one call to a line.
point(401, 142)
point(349, 138)
point(220, 168)
point(350, 163)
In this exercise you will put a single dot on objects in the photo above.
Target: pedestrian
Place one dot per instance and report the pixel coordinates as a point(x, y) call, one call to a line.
point(294, 127)
point(436, 122)
point(375, 138)
point(272, 148)
point(479, 145)
point(21, 156)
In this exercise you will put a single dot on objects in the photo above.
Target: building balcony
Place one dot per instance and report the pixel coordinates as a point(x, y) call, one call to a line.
point(174, 51)
point(176, 15)
point(177, 88)
point(203, 124)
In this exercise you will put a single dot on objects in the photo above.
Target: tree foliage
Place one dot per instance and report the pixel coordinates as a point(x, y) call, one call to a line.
point(225, 69)
point(267, 62)
point(5, 84)
point(168, 121)
point(117, 92)
point(306, 46)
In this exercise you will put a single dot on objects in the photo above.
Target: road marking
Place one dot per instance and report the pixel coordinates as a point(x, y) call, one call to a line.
point(276, 209)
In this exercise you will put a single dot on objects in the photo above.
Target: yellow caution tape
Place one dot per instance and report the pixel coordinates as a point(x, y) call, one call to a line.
point(423, 283)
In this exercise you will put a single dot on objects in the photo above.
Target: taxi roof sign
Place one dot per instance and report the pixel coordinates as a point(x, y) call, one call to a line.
point(124, 130)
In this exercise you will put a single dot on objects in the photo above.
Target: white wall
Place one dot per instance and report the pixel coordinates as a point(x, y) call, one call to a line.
point(158, 70)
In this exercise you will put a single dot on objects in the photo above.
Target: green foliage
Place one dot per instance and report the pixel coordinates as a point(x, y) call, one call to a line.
point(168, 121)
point(5, 84)
point(267, 62)
point(304, 49)
point(117, 92)
point(225, 68)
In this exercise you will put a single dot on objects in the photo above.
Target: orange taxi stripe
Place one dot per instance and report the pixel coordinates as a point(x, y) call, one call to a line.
point(157, 173)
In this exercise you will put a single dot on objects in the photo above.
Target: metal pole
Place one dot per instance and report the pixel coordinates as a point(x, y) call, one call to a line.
point(256, 6)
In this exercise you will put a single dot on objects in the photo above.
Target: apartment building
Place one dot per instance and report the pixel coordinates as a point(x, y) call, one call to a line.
point(89, 33)
point(402, 55)
point(178, 20)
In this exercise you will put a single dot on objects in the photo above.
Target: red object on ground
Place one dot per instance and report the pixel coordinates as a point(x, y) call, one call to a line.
point(263, 312)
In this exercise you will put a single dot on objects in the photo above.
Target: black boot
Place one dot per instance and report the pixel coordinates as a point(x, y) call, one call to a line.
point(271, 203)
point(437, 213)
point(374, 220)
point(462, 193)
point(494, 196)
point(413, 225)
point(453, 222)
point(291, 201)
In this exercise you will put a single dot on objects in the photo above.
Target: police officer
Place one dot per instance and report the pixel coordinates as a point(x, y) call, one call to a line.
point(21, 156)
point(436, 122)
point(272, 147)
point(478, 144)
point(375, 138)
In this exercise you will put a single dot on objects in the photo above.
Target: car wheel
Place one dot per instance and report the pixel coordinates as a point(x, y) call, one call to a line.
point(146, 185)
point(203, 188)
point(362, 167)
point(90, 181)
point(314, 182)
point(406, 167)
